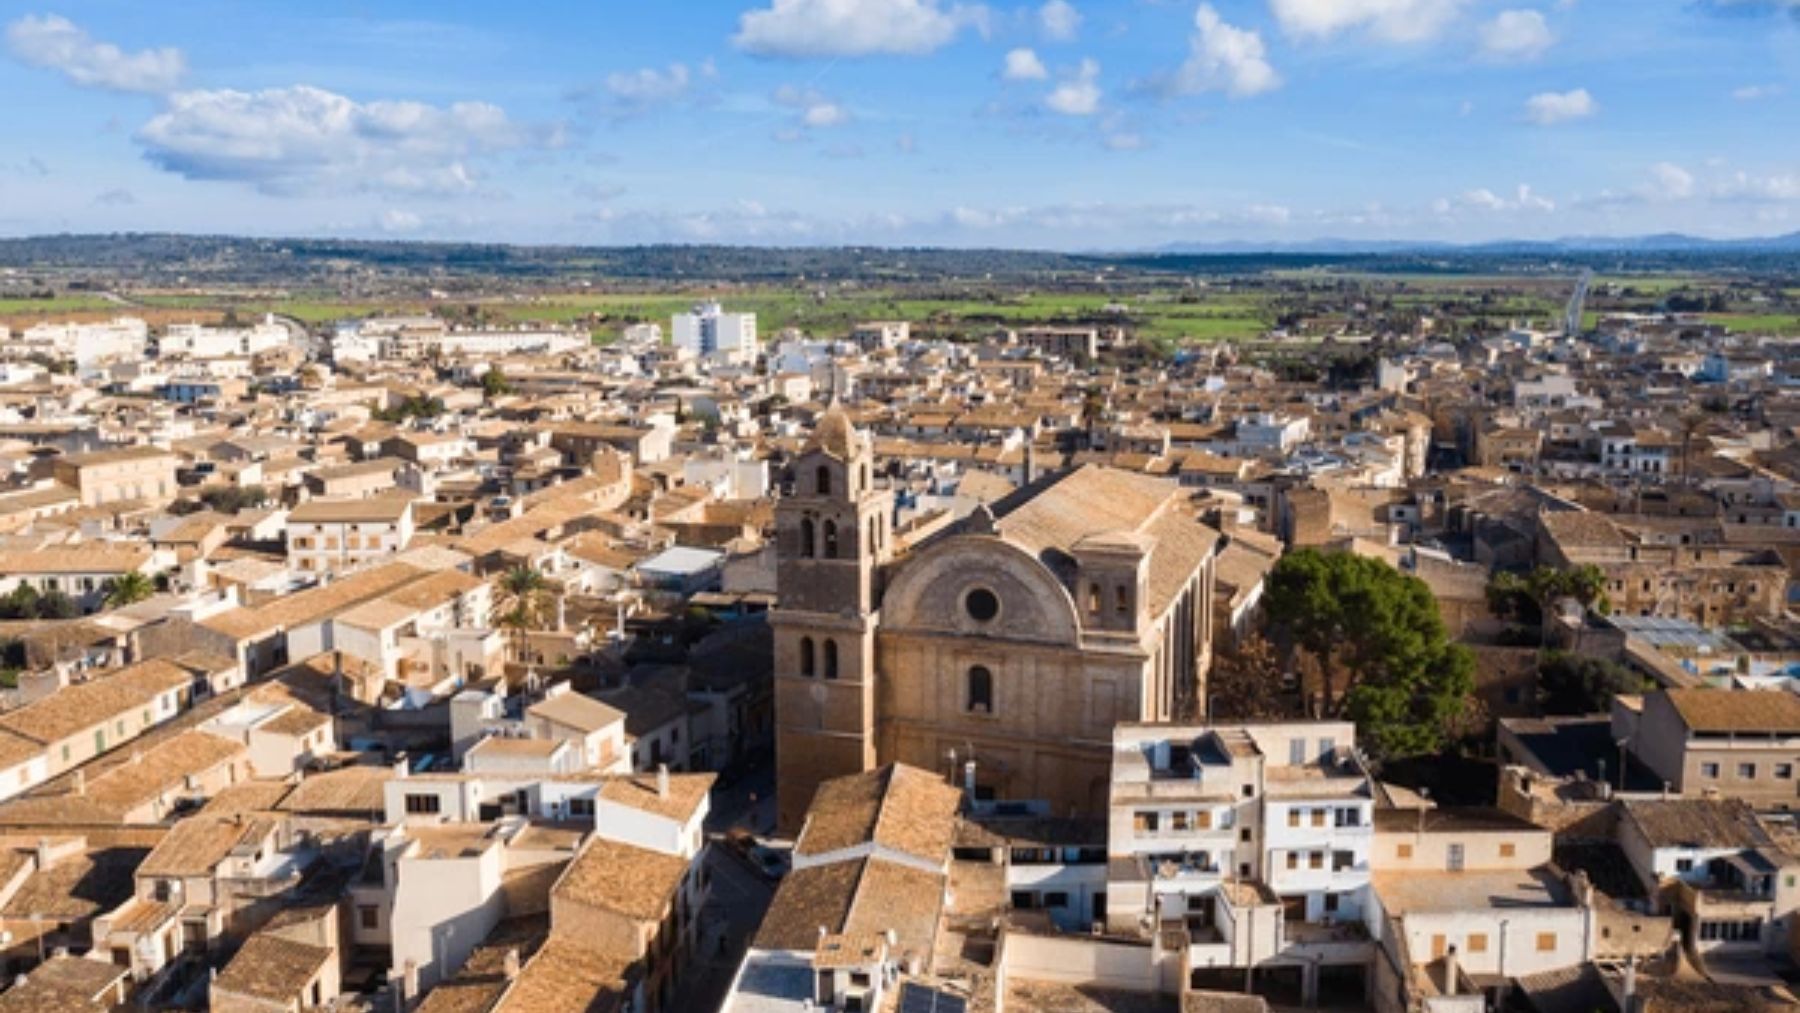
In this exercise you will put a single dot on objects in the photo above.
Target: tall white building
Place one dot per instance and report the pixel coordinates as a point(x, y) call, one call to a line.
point(199, 342)
point(711, 333)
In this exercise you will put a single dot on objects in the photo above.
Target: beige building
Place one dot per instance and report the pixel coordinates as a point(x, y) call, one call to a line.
point(1742, 744)
point(114, 476)
point(333, 536)
point(1014, 643)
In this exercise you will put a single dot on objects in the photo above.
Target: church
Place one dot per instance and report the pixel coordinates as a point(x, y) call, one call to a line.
point(1013, 640)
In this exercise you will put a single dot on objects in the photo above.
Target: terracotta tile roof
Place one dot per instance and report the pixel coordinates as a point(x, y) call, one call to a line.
point(868, 895)
point(61, 984)
point(314, 604)
point(904, 808)
point(686, 792)
point(387, 508)
point(77, 887)
point(75, 559)
point(635, 882)
point(161, 768)
point(272, 968)
point(567, 976)
point(1698, 823)
point(196, 845)
point(355, 790)
point(1735, 710)
point(105, 696)
point(578, 711)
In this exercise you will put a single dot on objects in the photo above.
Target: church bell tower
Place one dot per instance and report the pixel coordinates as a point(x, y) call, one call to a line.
point(832, 535)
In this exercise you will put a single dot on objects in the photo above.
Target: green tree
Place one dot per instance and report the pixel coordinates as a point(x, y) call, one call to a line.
point(1527, 598)
point(128, 589)
point(20, 603)
point(523, 603)
point(1581, 684)
point(57, 605)
point(494, 383)
point(1378, 632)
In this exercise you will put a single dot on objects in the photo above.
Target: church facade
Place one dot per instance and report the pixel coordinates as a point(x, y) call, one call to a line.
point(1014, 640)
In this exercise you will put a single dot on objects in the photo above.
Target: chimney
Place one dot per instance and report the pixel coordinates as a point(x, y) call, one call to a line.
point(511, 965)
point(662, 780)
point(1450, 971)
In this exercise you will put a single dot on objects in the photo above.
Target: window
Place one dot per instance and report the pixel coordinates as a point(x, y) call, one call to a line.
point(831, 540)
point(1477, 942)
point(1709, 771)
point(1093, 599)
point(831, 659)
point(1350, 817)
point(1056, 898)
point(1315, 860)
point(1122, 599)
point(807, 537)
point(822, 481)
point(422, 804)
point(369, 916)
point(1327, 749)
point(981, 691)
point(1341, 860)
point(1145, 822)
point(808, 664)
point(1318, 817)
point(1546, 942)
point(1507, 850)
point(1747, 771)
point(1403, 851)
point(1296, 751)
point(1331, 903)
point(1293, 817)
point(1203, 820)
point(1784, 771)
point(981, 604)
point(1244, 835)
point(1684, 865)
point(1293, 860)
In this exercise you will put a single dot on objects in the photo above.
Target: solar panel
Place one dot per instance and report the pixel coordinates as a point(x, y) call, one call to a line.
point(916, 998)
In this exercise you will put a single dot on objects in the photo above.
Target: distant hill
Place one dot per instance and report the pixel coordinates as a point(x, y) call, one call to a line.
point(165, 258)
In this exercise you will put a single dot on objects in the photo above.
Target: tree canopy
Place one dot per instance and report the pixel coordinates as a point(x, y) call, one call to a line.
point(1385, 658)
point(1580, 684)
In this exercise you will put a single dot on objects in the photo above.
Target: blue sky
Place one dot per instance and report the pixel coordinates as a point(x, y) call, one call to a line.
point(1069, 124)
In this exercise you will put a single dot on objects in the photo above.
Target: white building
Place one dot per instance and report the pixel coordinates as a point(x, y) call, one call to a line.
point(199, 342)
point(709, 332)
point(335, 536)
point(1251, 842)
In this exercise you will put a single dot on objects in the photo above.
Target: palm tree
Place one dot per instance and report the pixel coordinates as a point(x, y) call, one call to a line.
point(128, 589)
point(523, 591)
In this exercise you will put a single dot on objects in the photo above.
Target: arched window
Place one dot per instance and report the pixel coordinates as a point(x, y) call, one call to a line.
point(808, 664)
point(822, 481)
point(831, 666)
point(981, 691)
point(807, 538)
point(831, 541)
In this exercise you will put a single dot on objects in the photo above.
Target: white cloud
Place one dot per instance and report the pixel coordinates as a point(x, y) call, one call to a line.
point(1669, 181)
point(59, 44)
point(1752, 92)
point(1059, 20)
point(393, 220)
point(1744, 186)
point(1552, 107)
point(1078, 95)
point(1523, 198)
point(816, 111)
point(812, 28)
point(1386, 20)
point(649, 86)
point(286, 140)
point(1023, 65)
point(1516, 35)
point(1222, 57)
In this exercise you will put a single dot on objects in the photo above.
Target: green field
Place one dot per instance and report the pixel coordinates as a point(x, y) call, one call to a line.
point(59, 304)
point(1758, 323)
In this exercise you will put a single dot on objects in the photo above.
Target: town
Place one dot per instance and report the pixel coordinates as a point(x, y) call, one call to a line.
point(431, 662)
